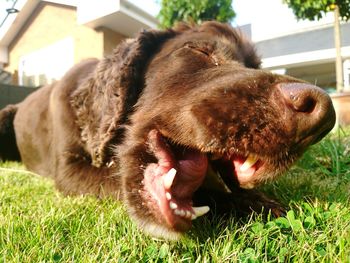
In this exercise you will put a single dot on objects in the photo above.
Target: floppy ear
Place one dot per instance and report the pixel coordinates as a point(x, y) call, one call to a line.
point(104, 101)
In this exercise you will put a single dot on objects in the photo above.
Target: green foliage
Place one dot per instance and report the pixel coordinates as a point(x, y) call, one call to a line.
point(194, 11)
point(37, 224)
point(316, 9)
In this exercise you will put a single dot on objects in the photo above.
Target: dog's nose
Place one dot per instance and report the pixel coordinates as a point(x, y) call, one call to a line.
point(311, 107)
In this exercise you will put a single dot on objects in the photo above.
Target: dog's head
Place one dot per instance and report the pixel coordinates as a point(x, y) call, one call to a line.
point(200, 107)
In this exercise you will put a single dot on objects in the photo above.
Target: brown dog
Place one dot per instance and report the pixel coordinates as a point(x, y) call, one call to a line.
point(172, 119)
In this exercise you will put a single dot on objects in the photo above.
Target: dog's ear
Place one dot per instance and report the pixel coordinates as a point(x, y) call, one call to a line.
point(104, 100)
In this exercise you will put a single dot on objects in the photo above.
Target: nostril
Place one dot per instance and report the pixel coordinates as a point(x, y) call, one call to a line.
point(305, 104)
point(301, 97)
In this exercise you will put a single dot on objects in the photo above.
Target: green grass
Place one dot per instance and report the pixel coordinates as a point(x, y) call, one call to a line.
point(37, 224)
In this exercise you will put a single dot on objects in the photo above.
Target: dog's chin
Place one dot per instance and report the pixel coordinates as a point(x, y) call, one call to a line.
point(154, 228)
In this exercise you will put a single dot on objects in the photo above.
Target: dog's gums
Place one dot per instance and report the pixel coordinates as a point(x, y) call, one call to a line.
point(175, 124)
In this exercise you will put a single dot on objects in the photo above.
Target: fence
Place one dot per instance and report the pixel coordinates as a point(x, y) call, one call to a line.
point(11, 94)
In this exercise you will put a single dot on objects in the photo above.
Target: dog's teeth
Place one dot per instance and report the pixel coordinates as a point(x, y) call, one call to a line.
point(249, 162)
point(182, 213)
point(199, 211)
point(168, 195)
point(172, 205)
point(188, 214)
point(193, 216)
point(179, 212)
point(168, 178)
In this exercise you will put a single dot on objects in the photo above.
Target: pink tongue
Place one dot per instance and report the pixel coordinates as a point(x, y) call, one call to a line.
point(192, 170)
point(191, 166)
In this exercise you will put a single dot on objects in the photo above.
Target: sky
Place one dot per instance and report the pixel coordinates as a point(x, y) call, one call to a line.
point(3, 6)
point(269, 18)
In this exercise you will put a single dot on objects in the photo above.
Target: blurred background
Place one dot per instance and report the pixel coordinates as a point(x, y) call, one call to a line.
point(41, 40)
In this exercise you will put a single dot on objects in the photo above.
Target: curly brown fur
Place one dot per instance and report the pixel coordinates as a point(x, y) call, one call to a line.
point(173, 119)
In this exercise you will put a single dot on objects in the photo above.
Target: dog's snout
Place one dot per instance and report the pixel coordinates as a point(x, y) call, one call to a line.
point(311, 107)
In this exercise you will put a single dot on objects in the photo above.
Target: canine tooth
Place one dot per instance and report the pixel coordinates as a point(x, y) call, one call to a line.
point(201, 210)
point(249, 162)
point(110, 164)
point(188, 214)
point(193, 216)
point(168, 195)
point(172, 205)
point(168, 178)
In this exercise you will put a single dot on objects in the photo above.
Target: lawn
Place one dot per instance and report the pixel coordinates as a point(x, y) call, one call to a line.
point(37, 224)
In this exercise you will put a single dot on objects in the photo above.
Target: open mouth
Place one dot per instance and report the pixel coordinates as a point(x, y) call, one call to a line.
point(178, 172)
point(235, 167)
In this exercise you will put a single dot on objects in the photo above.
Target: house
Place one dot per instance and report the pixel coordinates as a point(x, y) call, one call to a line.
point(41, 40)
point(309, 54)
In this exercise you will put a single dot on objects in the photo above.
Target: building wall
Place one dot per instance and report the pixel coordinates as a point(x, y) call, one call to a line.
point(318, 39)
point(110, 40)
point(87, 43)
point(321, 74)
point(52, 23)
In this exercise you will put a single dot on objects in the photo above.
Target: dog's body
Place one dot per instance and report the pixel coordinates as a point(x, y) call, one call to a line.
point(151, 124)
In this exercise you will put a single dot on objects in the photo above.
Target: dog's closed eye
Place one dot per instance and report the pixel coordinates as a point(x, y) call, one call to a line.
point(205, 49)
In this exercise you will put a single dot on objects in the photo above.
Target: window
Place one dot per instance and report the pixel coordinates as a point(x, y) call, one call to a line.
point(47, 64)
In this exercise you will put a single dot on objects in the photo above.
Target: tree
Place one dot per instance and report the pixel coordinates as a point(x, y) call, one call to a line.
point(316, 9)
point(194, 11)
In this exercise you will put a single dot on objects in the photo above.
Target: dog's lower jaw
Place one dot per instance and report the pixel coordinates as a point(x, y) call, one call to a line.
point(153, 228)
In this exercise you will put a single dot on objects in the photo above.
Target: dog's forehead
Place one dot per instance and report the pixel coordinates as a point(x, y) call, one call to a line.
point(227, 37)
point(195, 36)
point(227, 41)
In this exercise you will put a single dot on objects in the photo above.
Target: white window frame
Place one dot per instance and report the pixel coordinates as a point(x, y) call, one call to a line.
point(346, 72)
